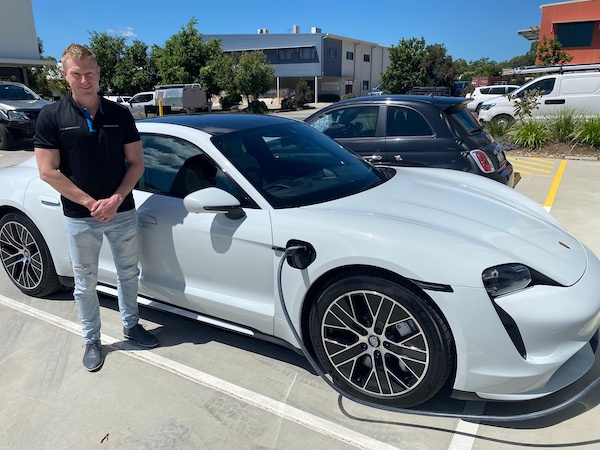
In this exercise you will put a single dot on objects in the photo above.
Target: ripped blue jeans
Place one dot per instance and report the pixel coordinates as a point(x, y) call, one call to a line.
point(84, 238)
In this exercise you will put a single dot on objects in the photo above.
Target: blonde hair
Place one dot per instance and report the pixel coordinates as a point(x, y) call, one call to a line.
point(77, 52)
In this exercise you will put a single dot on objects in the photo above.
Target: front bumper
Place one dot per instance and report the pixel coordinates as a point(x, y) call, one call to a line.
point(556, 325)
point(20, 128)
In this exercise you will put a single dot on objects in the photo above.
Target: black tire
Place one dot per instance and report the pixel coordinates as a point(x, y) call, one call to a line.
point(381, 341)
point(7, 140)
point(25, 256)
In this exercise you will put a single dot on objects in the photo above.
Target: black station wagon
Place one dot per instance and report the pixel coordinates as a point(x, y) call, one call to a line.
point(417, 131)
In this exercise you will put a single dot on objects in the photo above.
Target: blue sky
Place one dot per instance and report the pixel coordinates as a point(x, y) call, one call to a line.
point(469, 29)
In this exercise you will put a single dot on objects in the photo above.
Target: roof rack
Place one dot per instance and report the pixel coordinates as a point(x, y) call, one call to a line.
point(549, 69)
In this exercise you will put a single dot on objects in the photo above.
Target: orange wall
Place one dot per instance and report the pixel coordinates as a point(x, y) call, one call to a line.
point(574, 12)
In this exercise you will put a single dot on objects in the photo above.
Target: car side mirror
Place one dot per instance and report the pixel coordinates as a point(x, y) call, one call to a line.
point(213, 200)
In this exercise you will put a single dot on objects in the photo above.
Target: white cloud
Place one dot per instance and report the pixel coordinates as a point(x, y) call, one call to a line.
point(123, 31)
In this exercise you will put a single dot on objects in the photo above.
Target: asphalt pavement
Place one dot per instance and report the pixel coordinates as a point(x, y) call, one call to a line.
point(206, 388)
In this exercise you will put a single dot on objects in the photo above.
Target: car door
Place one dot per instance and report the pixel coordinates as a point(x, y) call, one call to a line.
point(548, 103)
point(411, 140)
point(355, 127)
point(202, 262)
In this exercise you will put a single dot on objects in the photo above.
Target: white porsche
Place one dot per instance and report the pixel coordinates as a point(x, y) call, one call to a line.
point(408, 279)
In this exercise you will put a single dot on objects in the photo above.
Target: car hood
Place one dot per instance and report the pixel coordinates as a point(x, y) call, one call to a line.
point(464, 207)
point(23, 104)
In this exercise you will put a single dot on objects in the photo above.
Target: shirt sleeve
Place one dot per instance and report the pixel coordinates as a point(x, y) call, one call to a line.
point(131, 131)
point(46, 130)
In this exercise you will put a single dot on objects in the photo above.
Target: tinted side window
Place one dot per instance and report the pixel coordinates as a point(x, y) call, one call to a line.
point(498, 90)
point(545, 86)
point(356, 121)
point(176, 168)
point(406, 122)
point(485, 90)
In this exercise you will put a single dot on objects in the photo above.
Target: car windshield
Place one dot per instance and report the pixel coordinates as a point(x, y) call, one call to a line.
point(14, 92)
point(294, 165)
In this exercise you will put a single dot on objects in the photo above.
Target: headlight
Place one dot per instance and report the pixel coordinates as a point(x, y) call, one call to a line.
point(507, 278)
point(17, 115)
point(485, 107)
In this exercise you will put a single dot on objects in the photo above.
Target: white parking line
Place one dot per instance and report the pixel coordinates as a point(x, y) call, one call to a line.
point(282, 410)
point(466, 431)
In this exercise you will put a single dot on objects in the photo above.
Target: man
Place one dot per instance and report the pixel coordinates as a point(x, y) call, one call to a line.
point(89, 150)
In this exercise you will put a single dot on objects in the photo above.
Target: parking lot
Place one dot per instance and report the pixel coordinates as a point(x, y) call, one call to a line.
point(208, 388)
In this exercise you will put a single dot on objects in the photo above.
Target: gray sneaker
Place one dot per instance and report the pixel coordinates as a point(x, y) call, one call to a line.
point(92, 358)
point(141, 336)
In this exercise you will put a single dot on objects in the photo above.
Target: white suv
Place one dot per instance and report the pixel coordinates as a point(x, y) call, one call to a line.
point(482, 94)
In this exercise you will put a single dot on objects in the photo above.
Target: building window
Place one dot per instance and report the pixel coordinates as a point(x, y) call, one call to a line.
point(575, 34)
point(365, 85)
point(307, 54)
point(331, 53)
point(350, 55)
point(284, 54)
point(367, 58)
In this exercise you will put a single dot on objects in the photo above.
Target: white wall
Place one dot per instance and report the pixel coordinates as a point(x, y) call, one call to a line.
point(18, 39)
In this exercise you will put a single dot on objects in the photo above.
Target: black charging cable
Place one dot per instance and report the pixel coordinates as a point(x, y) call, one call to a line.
point(295, 250)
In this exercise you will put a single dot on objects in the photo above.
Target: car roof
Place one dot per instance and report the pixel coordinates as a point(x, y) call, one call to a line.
point(442, 102)
point(219, 124)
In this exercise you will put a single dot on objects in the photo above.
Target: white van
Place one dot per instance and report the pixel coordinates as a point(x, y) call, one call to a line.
point(577, 92)
point(174, 97)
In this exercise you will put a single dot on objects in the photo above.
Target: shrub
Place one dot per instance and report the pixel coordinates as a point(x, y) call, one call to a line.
point(348, 95)
point(563, 126)
point(230, 100)
point(587, 131)
point(303, 94)
point(257, 107)
point(530, 133)
point(288, 103)
point(497, 129)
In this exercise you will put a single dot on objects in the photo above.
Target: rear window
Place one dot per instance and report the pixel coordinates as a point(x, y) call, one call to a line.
point(462, 122)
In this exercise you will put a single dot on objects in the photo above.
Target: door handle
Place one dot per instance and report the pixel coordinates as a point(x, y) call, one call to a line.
point(558, 101)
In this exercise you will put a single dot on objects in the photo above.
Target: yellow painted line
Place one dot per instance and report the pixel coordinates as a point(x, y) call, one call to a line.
point(535, 169)
point(536, 162)
point(555, 184)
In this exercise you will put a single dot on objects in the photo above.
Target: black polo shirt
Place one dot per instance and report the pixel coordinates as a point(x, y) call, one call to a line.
point(92, 152)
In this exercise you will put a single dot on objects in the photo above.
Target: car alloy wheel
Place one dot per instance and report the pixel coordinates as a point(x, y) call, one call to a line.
point(381, 341)
point(26, 257)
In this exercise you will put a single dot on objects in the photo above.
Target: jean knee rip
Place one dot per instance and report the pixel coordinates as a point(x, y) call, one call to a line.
point(83, 269)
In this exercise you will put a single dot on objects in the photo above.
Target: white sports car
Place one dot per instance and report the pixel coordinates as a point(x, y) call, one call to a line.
point(407, 279)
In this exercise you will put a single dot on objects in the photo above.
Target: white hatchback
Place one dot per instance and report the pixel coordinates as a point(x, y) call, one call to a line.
point(482, 94)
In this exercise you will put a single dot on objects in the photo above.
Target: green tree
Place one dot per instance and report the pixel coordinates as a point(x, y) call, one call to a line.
point(40, 79)
point(136, 72)
point(210, 74)
point(109, 54)
point(253, 75)
point(551, 53)
point(405, 70)
point(183, 56)
point(485, 67)
point(438, 67)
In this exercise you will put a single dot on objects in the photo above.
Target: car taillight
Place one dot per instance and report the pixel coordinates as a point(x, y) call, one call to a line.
point(483, 161)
